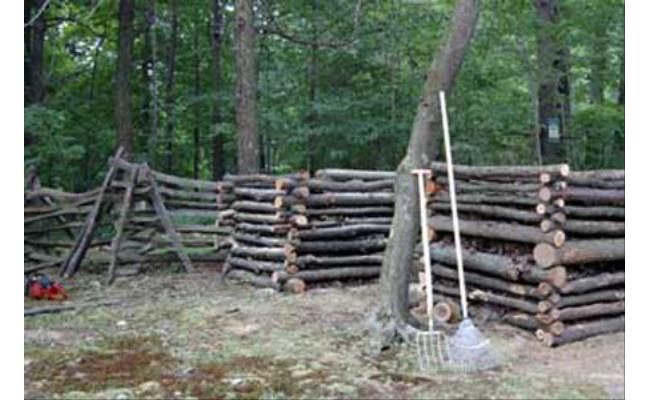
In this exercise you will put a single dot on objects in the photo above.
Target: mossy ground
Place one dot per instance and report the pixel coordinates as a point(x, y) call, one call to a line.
point(190, 336)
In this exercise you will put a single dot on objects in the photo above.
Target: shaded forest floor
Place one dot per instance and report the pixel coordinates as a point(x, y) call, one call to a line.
point(191, 336)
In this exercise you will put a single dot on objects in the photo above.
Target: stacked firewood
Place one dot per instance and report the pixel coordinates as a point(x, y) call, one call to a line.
point(293, 231)
point(519, 234)
point(348, 214)
point(591, 210)
point(499, 229)
point(261, 252)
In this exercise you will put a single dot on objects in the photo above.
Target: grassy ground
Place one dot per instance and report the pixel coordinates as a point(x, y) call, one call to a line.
point(190, 336)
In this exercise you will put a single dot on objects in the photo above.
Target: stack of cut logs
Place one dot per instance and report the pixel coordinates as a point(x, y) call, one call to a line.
point(507, 214)
point(261, 251)
point(589, 206)
point(349, 214)
point(293, 231)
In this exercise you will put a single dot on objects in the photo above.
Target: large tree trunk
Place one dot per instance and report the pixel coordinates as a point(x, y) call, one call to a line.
point(218, 167)
point(553, 92)
point(123, 102)
point(37, 55)
point(394, 313)
point(151, 78)
point(248, 155)
point(170, 83)
point(27, 55)
point(197, 105)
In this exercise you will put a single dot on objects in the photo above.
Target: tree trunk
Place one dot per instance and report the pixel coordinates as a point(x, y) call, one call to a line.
point(27, 57)
point(197, 109)
point(153, 84)
point(394, 315)
point(248, 158)
point(37, 56)
point(553, 92)
point(218, 165)
point(170, 83)
point(123, 102)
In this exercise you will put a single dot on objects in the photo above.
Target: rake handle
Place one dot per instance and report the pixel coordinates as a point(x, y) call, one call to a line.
point(425, 243)
point(454, 208)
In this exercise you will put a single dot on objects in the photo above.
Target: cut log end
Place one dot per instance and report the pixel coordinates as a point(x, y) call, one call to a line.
point(446, 311)
point(295, 286)
point(557, 276)
point(559, 237)
point(544, 255)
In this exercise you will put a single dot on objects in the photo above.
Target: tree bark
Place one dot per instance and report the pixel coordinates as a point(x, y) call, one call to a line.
point(218, 165)
point(248, 156)
point(394, 315)
point(153, 84)
point(170, 84)
point(37, 56)
point(593, 282)
point(487, 263)
point(492, 172)
point(197, 104)
point(505, 301)
point(499, 231)
point(486, 282)
point(123, 103)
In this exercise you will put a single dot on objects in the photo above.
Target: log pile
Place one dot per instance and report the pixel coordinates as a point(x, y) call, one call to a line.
point(294, 232)
point(592, 301)
point(349, 213)
point(523, 231)
point(261, 251)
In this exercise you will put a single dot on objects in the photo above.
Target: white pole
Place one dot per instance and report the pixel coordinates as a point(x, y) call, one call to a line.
point(454, 209)
point(425, 246)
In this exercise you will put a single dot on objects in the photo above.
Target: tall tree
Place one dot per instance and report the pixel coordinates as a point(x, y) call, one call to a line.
point(218, 167)
point(170, 84)
point(150, 61)
point(554, 97)
point(394, 316)
point(123, 101)
point(197, 104)
point(248, 152)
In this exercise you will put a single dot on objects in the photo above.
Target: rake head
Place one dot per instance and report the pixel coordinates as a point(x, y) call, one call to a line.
point(470, 351)
point(432, 349)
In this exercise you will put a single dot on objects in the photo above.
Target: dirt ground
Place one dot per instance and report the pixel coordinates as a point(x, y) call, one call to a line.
point(191, 336)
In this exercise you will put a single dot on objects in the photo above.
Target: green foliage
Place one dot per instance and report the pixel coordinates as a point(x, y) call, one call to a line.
point(365, 92)
point(599, 136)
